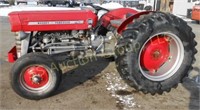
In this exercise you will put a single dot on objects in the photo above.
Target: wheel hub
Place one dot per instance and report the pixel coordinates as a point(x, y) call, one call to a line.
point(36, 76)
point(36, 79)
point(155, 53)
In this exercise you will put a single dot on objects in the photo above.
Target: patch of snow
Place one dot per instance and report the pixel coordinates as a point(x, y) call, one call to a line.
point(115, 84)
point(134, 8)
point(111, 5)
point(197, 80)
point(6, 10)
point(3, 5)
point(183, 17)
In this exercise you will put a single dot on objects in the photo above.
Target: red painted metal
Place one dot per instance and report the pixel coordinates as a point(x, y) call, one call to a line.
point(39, 71)
point(15, 22)
point(155, 53)
point(12, 55)
point(116, 14)
point(196, 13)
point(51, 20)
point(129, 20)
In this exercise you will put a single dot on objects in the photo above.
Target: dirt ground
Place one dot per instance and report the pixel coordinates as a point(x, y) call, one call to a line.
point(96, 86)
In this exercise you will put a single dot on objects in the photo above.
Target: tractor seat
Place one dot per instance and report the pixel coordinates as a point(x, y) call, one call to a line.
point(116, 23)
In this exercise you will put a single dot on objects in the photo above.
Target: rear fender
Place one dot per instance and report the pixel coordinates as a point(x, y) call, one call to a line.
point(116, 14)
point(130, 20)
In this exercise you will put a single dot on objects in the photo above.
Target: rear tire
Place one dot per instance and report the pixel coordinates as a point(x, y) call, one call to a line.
point(145, 75)
point(35, 76)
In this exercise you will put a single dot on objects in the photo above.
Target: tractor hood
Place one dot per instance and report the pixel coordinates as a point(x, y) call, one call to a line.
point(52, 20)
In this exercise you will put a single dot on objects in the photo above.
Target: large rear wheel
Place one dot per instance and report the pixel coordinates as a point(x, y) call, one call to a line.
point(156, 52)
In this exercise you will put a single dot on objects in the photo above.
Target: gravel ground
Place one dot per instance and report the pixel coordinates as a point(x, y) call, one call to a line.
point(96, 86)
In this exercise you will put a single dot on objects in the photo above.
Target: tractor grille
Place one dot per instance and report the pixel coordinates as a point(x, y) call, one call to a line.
point(18, 44)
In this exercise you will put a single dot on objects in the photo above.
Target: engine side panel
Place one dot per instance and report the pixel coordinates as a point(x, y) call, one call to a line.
point(52, 20)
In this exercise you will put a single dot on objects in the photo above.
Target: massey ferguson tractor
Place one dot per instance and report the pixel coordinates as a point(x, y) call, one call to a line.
point(153, 51)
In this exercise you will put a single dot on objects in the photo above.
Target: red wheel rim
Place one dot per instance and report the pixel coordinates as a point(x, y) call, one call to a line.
point(36, 76)
point(161, 56)
point(155, 53)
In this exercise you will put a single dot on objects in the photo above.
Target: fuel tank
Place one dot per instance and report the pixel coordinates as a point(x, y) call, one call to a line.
point(52, 20)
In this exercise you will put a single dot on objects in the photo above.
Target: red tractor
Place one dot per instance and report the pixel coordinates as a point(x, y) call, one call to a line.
point(153, 51)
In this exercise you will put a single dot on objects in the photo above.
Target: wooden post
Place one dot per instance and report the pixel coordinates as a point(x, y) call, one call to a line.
point(164, 5)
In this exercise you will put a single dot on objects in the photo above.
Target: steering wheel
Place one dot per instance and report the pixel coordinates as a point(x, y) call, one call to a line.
point(97, 8)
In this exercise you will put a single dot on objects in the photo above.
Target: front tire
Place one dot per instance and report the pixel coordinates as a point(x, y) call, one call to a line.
point(156, 52)
point(35, 76)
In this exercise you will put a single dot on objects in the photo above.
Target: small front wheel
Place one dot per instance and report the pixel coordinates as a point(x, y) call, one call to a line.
point(35, 76)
